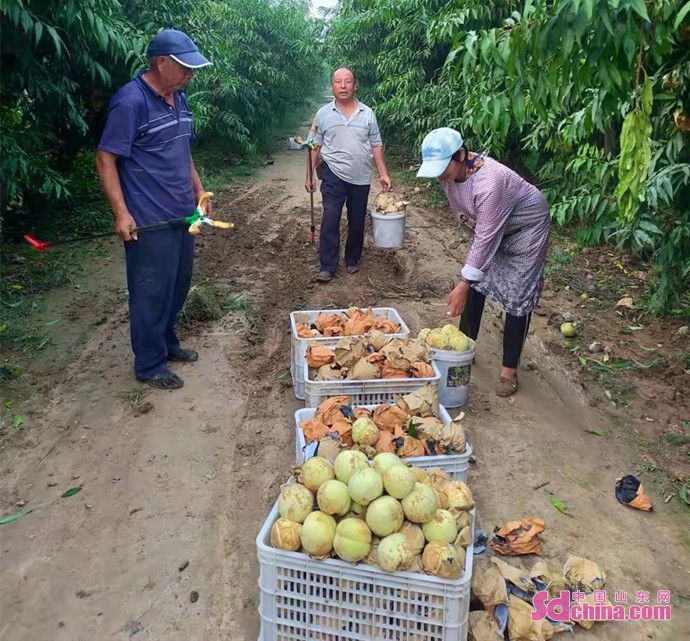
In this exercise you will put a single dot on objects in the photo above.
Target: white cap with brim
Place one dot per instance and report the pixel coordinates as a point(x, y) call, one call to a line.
point(438, 148)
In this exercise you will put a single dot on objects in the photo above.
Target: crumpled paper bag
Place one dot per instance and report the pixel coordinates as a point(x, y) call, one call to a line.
point(349, 350)
point(462, 518)
point(548, 578)
point(583, 575)
point(341, 426)
point(371, 558)
point(412, 447)
point(328, 373)
point(520, 624)
point(415, 350)
point(629, 491)
point(368, 450)
point(439, 482)
point(386, 326)
point(483, 627)
point(419, 427)
point(331, 409)
point(329, 324)
point(421, 402)
point(459, 496)
point(394, 354)
point(328, 448)
point(390, 418)
point(305, 331)
point(319, 355)
point(420, 369)
point(450, 436)
point(358, 322)
point(385, 443)
point(314, 429)
point(489, 587)
point(361, 412)
point(464, 538)
point(520, 579)
point(388, 371)
point(519, 537)
point(362, 370)
point(587, 625)
point(377, 339)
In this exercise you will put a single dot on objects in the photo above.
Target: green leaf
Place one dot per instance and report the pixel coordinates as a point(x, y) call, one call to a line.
point(17, 422)
point(16, 515)
point(559, 505)
point(596, 432)
point(519, 108)
point(681, 15)
point(71, 492)
point(412, 430)
point(683, 494)
point(57, 41)
point(640, 9)
point(568, 41)
point(38, 31)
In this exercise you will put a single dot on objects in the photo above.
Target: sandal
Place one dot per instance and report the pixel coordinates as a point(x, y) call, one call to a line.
point(506, 386)
point(182, 355)
point(164, 380)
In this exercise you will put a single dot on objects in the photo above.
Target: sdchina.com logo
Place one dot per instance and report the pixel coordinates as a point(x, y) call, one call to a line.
point(567, 607)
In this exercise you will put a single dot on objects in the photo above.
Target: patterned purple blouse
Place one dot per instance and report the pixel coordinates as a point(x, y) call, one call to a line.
point(509, 220)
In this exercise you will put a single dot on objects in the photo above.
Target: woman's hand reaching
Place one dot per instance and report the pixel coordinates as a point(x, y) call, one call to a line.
point(457, 299)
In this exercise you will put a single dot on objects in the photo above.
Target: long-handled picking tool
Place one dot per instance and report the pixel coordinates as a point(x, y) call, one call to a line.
point(311, 197)
point(309, 144)
point(194, 223)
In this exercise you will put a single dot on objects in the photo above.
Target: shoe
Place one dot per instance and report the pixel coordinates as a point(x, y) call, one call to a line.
point(324, 276)
point(506, 386)
point(182, 355)
point(164, 380)
point(352, 269)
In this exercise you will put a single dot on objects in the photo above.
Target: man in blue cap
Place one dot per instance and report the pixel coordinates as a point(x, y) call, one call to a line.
point(145, 166)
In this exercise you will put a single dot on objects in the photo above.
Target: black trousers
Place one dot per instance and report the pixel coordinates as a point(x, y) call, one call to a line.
point(336, 193)
point(515, 328)
point(159, 273)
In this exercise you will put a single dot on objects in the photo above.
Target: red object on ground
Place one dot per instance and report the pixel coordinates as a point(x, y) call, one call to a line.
point(39, 245)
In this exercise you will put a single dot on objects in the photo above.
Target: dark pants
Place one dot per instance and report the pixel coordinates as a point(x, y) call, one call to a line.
point(159, 273)
point(336, 193)
point(514, 330)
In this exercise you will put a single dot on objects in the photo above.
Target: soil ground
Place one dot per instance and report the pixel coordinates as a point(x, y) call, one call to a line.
point(170, 478)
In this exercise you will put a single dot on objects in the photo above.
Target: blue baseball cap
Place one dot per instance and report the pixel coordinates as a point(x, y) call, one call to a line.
point(179, 46)
point(438, 147)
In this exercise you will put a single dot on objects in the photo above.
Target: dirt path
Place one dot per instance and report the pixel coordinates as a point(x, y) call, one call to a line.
point(189, 476)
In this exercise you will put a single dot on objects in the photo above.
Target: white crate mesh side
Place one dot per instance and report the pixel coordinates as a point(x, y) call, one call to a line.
point(303, 600)
point(298, 346)
point(373, 392)
point(456, 465)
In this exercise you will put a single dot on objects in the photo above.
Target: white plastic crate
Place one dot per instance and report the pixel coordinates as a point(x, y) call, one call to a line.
point(367, 392)
point(299, 345)
point(454, 464)
point(303, 599)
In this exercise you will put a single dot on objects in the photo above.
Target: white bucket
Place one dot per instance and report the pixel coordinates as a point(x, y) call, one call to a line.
point(455, 368)
point(388, 229)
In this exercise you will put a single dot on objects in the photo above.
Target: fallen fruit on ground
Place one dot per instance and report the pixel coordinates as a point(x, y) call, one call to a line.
point(568, 330)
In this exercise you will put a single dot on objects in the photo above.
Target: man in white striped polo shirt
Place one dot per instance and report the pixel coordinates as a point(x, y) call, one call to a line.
point(347, 143)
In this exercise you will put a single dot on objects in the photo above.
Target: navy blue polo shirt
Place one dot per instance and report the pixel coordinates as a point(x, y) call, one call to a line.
point(153, 142)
